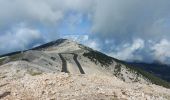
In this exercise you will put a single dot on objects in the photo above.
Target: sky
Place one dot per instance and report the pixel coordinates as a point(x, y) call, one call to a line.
point(131, 30)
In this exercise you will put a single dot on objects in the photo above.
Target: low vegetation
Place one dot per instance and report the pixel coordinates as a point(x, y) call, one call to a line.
point(16, 57)
point(1, 61)
point(105, 60)
point(13, 57)
point(34, 73)
point(117, 69)
point(149, 76)
point(96, 57)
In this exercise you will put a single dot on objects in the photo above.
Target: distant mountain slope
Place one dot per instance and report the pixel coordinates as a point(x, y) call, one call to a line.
point(68, 56)
point(159, 70)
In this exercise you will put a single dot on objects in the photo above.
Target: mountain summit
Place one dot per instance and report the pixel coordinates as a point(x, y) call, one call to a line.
point(70, 58)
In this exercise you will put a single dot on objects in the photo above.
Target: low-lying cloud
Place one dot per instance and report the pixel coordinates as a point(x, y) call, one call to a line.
point(127, 51)
point(161, 51)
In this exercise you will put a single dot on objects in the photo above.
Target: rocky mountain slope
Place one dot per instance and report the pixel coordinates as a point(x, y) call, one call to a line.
point(157, 69)
point(30, 70)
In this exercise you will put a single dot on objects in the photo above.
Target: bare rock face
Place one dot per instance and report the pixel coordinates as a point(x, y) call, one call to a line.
point(64, 69)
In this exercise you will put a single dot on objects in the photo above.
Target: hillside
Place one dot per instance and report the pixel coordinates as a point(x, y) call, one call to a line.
point(157, 69)
point(79, 62)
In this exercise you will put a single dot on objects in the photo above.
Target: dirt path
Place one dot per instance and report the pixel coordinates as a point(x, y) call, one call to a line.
point(78, 64)
point(64, 64)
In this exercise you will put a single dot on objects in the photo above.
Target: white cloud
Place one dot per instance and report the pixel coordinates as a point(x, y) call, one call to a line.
point(94, 44)
point(110, 18)
point(43, 16)
point(78, 38)
point(127, 51)
point(161, 51)
point(48, 12)
point(84, 39)
point(114, 24)
point(20, 38)
point(125, 19)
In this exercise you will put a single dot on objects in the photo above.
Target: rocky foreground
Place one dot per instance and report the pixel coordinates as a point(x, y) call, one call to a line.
point(63, 86)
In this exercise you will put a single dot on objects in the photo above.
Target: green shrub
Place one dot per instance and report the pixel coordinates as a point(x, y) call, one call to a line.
point(34, 73)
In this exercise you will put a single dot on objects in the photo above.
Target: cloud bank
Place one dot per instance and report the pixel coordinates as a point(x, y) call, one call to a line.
point(126, 29)
point(21, 38)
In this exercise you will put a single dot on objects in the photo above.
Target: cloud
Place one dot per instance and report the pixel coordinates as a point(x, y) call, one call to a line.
point(122, 22)
point(84, 39)
point(77, 38)
point(29, 11)
point(46, 12)
point(20, 38)
point(127, 51)
point(41, 17)
point(161, 51)
point(93, 44)
point(118, 27)
point(120, 19)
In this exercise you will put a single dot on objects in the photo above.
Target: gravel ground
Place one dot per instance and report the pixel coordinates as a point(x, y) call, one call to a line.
point(62, 86)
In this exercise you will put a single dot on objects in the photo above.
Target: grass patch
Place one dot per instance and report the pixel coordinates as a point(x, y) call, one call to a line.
point(13, 57)
point(16, 57)
point(18, 71)
point(1, 61)
point(10, 57)
point(34, 73)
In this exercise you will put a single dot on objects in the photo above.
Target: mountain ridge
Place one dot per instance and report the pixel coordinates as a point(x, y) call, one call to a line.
point(67, 49)
point(64, 69)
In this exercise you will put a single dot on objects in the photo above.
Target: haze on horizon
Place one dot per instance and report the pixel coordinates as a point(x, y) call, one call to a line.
point(125, 29)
